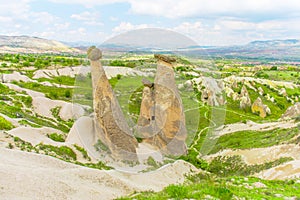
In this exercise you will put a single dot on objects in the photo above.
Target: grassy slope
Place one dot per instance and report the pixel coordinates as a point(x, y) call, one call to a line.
point(208, 187)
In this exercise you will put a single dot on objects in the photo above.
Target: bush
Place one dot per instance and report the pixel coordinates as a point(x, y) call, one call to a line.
point(152, 162)
point(67, 93)
point(274, 68)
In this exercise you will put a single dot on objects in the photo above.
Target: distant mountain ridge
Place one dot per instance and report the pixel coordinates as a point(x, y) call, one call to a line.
point(275, 42)
point(27, 44)
point(287, 50)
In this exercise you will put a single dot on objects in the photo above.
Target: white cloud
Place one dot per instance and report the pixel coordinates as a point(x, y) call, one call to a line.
point(127, 26)
point(88, 18)
point(43, 18)
point(225, 31)
point(189, 28)
point(87, 3)
point(84, 16)
point(204, 8)
point(15, 9)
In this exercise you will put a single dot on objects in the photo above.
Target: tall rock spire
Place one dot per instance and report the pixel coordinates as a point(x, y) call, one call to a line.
point(162, 120)
point(110, 124)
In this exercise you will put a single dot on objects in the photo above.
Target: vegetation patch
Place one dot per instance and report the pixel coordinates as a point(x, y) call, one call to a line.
point(203, 186)
point(4, 124)
point(234, 166)
point(254, 139)
point(50, 91)
point(83, 152)
point(64, 152)
point(56, 137)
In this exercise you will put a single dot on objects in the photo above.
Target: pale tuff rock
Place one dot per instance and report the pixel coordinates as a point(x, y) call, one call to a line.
point(269, 98)
point(146, 119)
point(282, 92)
point(245, 98)
point(110, 124)
point(211, 89)
point(164, 58)
point(229, 92)
point(260, 91)
point(292, 112)
point(162, 120)
point(259, 107)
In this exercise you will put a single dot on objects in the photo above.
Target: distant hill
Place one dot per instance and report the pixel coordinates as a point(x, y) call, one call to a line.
point(27, 44)
point(286, 50)
point(275, 42)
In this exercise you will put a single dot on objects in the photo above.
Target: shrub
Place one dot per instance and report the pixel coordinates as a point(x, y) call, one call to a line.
point(152, 162)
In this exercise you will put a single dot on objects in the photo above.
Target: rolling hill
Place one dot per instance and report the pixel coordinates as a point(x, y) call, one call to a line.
point(27, 44)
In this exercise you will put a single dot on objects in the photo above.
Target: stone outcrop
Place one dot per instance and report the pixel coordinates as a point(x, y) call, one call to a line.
point(282, 92)
point(260, 108)
point(110, 124)
point(245, 98)
point(211, 90)
point(162, 121)
point(146, 120)
point(260, 91)
point(292, 112)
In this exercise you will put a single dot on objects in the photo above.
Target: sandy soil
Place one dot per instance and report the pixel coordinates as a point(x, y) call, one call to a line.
point(82, 133)
point(35, 135)
point(15, 76)
point(32, 176)
point(290, 170)
point(43, 106)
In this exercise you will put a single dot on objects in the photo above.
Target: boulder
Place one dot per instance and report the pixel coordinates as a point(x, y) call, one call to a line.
point(260, 108)
point(292, 112)
point(110, 124)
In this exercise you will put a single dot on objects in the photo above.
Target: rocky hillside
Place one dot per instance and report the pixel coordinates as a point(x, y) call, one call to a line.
point(26, 44)
point(242, 126)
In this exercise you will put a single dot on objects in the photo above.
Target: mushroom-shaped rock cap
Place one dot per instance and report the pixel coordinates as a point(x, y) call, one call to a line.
point(147, 83)
point(164, 58)
point(94, 53)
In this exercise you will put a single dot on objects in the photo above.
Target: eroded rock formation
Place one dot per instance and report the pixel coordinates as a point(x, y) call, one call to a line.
point(245, 98)
point(211, 90)
point(162, 121)
point(259, 107)
point(292, 112)
point(110, 124)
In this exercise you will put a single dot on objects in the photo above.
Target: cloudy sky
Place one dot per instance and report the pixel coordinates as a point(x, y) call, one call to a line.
point(208, 22)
